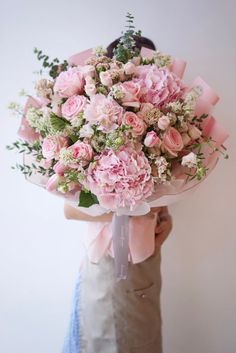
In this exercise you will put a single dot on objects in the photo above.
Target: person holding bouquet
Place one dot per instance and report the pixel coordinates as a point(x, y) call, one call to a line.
point(119, 316)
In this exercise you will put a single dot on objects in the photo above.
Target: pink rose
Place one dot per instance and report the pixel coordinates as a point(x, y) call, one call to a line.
point(194, 132)
point(131, 92)
point(151, 139)
point(172, 141)
point(105, 78)
point(163, 122)
point(137, 124)
point(73, 106)
point(82, 151)
point(52, 145)
point(69, 83)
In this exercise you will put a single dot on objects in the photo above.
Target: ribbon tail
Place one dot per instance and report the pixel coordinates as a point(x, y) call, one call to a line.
point(120, 235)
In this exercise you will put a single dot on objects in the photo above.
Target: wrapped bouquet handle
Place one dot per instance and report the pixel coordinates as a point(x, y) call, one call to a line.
point(120, 236)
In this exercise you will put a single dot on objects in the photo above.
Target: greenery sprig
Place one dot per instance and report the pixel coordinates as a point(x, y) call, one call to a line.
point(126, 48)
point(54, 66)
point(25, 147)
point(28, 170)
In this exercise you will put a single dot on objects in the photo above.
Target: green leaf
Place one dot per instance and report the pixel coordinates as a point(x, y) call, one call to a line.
point(57, 123)
point(73, 138)
point(87, 199)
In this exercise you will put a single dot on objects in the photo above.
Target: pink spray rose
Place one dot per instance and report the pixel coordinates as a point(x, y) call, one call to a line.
point(90, 89)
point(73, 106)
point(163, 122)
point(105, 78)
point(194, 132)
point(121, 178)
point(137, 124)
point(104, 111)
point(186, 139)
point(129, 68)
point(82, 152)
point(88, 71)
point(52, 146)
point(53, 182)
point(59, 168)
point(172, 141)
point(69, 83)
point(151, 139)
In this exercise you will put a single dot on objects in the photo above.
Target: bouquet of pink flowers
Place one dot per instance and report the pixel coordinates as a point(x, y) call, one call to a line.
point(123, 133)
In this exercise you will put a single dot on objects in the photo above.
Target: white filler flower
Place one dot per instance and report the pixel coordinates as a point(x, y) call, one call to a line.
point(190, 160)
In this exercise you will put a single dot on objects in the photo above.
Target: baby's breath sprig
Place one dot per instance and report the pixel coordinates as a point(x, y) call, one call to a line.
point(16, 109)
point(55, 67)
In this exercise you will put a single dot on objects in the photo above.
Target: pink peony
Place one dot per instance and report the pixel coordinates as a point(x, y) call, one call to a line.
point(52, 145)
point(137, 124)
point(172, 141)
point(151, 139)
point(104, 111)
point(69, 83)
point(160, 86)
point(121, 178)
point(73, 106)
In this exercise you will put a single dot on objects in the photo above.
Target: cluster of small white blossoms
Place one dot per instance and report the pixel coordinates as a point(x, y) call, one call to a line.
point(99, 51)
point(190, 160)
point(162, 169)
point(38, 119)
point(161, 60)
point(185, 110)
point(66, 157)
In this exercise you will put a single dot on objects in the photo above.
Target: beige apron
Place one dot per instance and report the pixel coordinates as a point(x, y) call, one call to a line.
point(124, 316)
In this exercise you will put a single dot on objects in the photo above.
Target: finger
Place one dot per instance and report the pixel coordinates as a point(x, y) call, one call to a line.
point(160, 238)
point(155, 209)
point(164, 225)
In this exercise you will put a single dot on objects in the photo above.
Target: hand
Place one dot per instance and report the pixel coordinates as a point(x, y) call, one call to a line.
point(163, 227)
